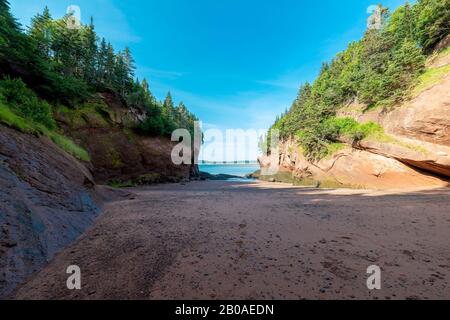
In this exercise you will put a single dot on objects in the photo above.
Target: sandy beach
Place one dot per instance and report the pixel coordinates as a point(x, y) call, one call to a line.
point(255, 240)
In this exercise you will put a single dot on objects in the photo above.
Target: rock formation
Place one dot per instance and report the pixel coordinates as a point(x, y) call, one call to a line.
point(417, 153)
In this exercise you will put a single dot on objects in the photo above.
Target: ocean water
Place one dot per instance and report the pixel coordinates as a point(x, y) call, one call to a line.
point(240, 170)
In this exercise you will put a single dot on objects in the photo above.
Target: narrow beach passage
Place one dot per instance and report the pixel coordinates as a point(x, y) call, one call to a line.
point(255, 240)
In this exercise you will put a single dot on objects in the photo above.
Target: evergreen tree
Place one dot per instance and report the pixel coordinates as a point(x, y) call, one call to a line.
point(168, 105)
point(101, 62)
point(67, 46)
point(41, 31)
point(378, 70)
point(432, 22)
point(121, 80)
point(168, 114)
point(145, 86)
point(130, 63)
point(90, 54)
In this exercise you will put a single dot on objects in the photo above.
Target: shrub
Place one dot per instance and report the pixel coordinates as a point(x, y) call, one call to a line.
point(25, 103)
point(350, 129)
point(315, 147)
point(39, 111)
point(324, 139)
point(153, 125)
point(14, 91)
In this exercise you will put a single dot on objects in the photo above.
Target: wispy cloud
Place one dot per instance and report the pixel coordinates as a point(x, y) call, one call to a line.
point(280, 83)
point(291, 80)
point(110, 20)
point(161, 74)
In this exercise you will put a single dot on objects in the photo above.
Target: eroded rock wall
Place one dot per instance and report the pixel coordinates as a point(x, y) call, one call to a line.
point(47, 199)
point(349, 168)
point(417, 153)
point(117, 151)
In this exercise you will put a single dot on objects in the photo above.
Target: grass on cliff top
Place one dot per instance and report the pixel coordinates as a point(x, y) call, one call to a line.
point(429, 78)
point(21, 124)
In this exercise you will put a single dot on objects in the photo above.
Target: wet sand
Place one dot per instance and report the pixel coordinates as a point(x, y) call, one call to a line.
point(232, 240)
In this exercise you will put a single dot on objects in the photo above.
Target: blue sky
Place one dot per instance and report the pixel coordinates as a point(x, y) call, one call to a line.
point(235, 63)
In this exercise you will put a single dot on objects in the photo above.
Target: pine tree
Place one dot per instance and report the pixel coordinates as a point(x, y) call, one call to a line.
point(19, 56)
point(67, 46)
point(66, 65)
point(168, 114)
point(101, 62)
point(432, 22)
point(145, 86)
point(121, 79)
point(182, 116)
point(90, 54)
point(110, 66)
point(41, 31)
point(10, 33)
point(130, 63)
point(168, 106)
point(407, 64)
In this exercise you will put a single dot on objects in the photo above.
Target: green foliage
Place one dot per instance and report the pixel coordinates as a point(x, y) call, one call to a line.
point(67, 65)
point(163, 118)
point(314, 144)
point(379, 70)
point(430, 77)
point(327, 138)
point(334, 148)
point(432, 22)
point(24, 101)
point(152, 126)
point(350, 129)
point(11, 119)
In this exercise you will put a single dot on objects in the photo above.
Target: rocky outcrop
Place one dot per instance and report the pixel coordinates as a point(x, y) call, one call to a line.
point(428, 157)
point(47, 199)
point(117, 151)
point(425, 118)
point(120, 155)
point(415, 151)
point(348, 168)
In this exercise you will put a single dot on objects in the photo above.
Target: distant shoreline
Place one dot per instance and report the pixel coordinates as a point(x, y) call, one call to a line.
point(229, 170)
point(224, 163)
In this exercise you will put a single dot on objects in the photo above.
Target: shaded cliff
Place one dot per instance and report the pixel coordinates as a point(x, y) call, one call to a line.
point(60, 139)
point(47, 199)
point(105, 127)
